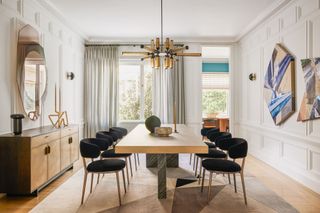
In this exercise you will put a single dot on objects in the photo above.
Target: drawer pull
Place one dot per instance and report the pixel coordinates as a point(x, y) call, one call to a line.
point(46, 136)
point(46, 150)
point(49, 149)
point(70, 140)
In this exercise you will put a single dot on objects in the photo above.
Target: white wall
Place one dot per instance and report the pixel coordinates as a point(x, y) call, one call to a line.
point(64, 53)
point(294, 147)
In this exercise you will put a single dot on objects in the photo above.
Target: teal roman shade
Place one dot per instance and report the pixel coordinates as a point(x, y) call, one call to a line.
point(215, 67)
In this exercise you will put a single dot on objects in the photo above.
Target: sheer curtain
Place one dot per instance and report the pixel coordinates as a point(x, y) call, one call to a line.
point(101, 83)
point(168, 86)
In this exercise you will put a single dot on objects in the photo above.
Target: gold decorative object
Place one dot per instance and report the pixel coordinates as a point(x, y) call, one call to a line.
point(158, 49)
point(163, 131)
point(62, 117)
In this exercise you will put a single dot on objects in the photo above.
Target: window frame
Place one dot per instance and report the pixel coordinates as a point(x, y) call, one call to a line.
point(141, 64)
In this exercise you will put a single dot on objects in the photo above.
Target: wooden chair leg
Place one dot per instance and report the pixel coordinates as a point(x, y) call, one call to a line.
point(190, 158)
point(135, 160)
point(117, 175)
point(235, 183)
point(84, 186)
point(138, 159)
point(209, 189)
point(98, 178)
point(229, 178)
point(243, 188)
point(194, 161)
point(130, 166)
point(127, 170)
point(91, 183)
point(195, 172)
point(203, 174)
point(200, 168)
point(124, 181)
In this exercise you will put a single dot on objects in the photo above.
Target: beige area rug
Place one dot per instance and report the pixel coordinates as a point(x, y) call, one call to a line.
point(183, 195)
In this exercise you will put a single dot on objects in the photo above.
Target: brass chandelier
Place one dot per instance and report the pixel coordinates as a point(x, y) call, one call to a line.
point(157, 50)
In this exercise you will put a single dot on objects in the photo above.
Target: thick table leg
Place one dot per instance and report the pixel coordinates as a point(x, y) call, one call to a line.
point(162, 177)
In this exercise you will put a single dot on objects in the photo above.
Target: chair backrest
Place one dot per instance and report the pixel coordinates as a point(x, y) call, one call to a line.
point(107, 138)
point(205, 131)
point(113, 135)
point(212, 136)
point(222, 141)
point(239, 149)
point(124, 131)
point(88, 149)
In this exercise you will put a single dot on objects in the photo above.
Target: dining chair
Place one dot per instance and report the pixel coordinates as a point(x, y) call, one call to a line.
point(89, 149)
point(238, 150)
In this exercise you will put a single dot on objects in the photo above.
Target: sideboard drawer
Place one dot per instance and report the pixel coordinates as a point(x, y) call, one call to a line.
point(42, 139)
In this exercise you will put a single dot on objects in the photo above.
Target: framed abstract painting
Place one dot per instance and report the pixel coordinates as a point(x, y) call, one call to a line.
point(279, 85)
point(310, 106)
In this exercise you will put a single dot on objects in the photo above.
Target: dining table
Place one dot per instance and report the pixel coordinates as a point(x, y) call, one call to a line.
point(140, 140)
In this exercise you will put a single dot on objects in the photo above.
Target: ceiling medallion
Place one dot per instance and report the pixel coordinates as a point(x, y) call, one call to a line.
point(157, 50)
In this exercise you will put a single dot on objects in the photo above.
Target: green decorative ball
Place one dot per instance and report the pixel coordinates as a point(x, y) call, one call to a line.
point(152, 122)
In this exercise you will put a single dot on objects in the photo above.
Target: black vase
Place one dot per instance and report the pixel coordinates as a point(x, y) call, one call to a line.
point(17, 123)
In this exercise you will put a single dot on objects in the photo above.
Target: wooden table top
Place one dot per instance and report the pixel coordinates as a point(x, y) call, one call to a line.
point(139, 140)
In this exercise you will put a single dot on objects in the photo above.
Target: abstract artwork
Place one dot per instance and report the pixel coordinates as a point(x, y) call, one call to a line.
point(310, 106)
point(279, 85)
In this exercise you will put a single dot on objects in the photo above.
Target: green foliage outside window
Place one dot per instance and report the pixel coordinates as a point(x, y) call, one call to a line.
point(214, 101)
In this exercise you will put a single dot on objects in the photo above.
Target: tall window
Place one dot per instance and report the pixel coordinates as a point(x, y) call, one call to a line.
point(135, 91)
point(215, 93)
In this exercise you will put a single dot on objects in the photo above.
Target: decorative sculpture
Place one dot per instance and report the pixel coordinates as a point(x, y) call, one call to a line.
point(62, 117)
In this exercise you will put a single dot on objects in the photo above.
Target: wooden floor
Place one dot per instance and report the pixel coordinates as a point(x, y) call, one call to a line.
point(294, 193)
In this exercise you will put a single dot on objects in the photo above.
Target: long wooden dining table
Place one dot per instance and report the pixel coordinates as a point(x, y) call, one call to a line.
point(140, 140)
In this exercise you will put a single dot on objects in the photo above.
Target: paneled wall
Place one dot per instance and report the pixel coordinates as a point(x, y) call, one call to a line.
point(64, 53)
point(293, 147)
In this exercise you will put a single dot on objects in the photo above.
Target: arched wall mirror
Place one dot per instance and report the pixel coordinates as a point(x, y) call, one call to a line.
point(31, 72)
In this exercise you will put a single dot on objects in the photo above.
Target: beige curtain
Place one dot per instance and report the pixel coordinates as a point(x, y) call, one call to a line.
point(168, 86)
point(101, 83)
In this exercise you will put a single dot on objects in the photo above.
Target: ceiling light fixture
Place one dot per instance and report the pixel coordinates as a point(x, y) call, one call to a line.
point(157, 49)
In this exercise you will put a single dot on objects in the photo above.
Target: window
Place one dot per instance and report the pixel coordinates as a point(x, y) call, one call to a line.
point(135, 91)
point(215, 93)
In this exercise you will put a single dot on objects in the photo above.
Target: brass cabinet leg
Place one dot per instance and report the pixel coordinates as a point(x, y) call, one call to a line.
point(91, 183)
point(130, 166)
point(243, 188)
point(235, 183)
point(203, 174)
point(135, 160)
point(124, 181)
point(196, 169)
point(117, 175)
point(209, 188)
point(127, 170)
point(194, 161)
point(84, 186)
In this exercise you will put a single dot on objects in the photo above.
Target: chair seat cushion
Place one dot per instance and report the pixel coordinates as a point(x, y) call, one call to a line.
point(106, 165)
point(111, 154)
point(213, 153)
point(210, 145)
point(221, 165)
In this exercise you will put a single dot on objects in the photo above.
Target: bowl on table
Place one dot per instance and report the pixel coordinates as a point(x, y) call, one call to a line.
point(163, 131)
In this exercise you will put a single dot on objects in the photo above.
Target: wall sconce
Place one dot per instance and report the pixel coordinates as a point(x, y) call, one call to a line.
point(70, 75)
point(252, 77)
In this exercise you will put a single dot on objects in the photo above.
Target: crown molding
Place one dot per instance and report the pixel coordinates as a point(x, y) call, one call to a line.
point(263, 16)
point(47, 4)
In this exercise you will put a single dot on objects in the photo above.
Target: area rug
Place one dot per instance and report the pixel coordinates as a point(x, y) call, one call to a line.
point(183, 195)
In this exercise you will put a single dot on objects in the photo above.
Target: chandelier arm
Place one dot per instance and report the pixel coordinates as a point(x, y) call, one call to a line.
point(188, 54)
point(135, 53)
point(161, 46)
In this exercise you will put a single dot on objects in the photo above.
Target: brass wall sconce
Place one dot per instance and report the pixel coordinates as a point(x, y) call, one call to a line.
point(70, 75)
point(252, 76)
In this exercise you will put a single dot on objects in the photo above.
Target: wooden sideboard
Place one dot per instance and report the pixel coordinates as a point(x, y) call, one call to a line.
point(30, 161)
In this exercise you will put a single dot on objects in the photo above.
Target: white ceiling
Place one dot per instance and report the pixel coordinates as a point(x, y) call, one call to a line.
point(140, 19)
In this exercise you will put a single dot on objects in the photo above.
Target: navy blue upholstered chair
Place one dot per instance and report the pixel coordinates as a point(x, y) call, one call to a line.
point(238, 150)
point(204, 131)
point(110, 153)
point(90, 149)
